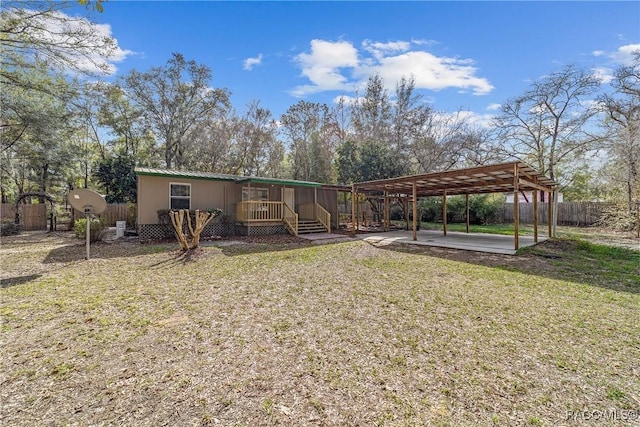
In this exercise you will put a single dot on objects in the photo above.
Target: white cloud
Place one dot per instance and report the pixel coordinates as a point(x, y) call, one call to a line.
point(323, 66)
point(249, 63)
point(341, 66)
point(481, 120)
point(430, 72)
point(423, 42)
point(624, 54)
point(621, 56)
point(494, 107)
point(604, 74)
point(379, 49)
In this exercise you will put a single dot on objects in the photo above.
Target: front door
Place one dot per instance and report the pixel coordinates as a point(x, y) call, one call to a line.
point(288, 196)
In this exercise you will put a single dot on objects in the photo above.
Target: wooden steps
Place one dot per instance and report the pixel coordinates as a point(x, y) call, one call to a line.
point(310, 226)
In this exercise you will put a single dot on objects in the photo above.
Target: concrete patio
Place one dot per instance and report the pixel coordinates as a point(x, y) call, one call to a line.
point(491, 243)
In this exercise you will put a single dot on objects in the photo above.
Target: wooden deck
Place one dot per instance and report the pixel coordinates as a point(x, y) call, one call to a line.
point(259, 212)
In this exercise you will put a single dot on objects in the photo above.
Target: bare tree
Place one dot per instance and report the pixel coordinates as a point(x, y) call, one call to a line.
point(445, 141)
point(175, 98)
point(211, 144)
point(254, 142)
point(313, 134)
point(549, 125)
point(371, 114)
point(410, 114)
point(623, 123)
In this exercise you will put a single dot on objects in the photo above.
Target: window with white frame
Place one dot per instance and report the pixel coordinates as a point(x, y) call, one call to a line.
point(180, 195)
point(256, 194)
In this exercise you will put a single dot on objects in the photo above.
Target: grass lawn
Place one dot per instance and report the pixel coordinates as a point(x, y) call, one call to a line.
point(295, 333)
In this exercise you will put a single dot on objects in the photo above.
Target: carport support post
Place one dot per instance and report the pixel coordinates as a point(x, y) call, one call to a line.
point(415, 211)
point(549, 212)
point(535, 215)
point(358, 211)
point(249, 208)
point(386, 211)
point(315, 203)
point(516, 208)
point(466, 201)
point(353, 208)
point(444, 212)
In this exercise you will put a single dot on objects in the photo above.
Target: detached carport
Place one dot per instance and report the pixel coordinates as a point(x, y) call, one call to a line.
point(513, 177)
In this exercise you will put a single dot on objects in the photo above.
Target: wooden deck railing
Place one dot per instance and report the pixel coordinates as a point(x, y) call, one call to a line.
point(259, 211)
point(290, 219)
point(323, 217)
point(263, 211)
point(316, 212)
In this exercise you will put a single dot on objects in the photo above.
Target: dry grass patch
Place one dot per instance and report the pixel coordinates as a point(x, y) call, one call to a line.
point(302, 334)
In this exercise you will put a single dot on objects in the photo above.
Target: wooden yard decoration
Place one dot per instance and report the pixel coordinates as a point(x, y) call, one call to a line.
point(202, 218)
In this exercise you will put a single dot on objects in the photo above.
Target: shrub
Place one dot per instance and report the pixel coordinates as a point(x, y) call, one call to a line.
point(618, 217)
point(9, 228)
point(395, 213)
point(132, 211)
point(98, 229)
point(483, 209)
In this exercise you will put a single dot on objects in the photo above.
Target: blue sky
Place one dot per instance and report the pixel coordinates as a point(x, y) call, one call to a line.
point(468, 55)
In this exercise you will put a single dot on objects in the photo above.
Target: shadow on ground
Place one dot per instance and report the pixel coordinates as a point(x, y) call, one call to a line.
point(18, 280)
point(77, 251)
point(576, 261)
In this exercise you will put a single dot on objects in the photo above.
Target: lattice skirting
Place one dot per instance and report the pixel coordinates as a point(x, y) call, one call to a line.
point(261, 230)
point(148, 232)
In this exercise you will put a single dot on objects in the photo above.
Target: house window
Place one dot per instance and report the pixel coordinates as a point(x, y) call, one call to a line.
point(257, 194)
point(180, 195)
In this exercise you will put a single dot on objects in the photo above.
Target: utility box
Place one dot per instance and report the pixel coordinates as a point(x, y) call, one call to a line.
point(121, 226)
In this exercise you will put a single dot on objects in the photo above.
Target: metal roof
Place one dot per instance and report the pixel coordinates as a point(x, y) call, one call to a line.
point(500, 178)
point(277, 181)
point(169, 173)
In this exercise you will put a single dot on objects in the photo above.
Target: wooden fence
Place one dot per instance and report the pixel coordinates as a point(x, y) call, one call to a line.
point(113, 213)
point(569, 213)
point(32, 216)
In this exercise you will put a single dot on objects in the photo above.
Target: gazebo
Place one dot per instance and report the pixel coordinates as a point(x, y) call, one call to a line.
point(512, 177)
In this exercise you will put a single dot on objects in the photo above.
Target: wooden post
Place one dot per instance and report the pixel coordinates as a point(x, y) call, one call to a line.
point(466, 200)
point(337, 210)
point(638, 219)
point(249, 209)
point(386, 211)
point(358, 211)
point(444, 212)
point(415, 211)
point(353, 208)
point(516, 208)
point(315, 203)
point(549, 212)
point(535, 215)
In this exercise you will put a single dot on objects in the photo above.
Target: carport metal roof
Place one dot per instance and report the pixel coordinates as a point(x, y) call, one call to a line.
point(500, 178)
